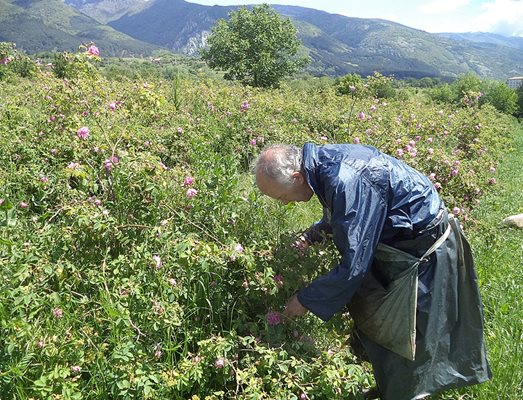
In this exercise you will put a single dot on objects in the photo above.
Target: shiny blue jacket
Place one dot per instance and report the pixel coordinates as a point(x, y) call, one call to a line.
point(367, 197)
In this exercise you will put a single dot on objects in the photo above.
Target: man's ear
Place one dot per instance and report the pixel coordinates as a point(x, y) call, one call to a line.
point(298, 177)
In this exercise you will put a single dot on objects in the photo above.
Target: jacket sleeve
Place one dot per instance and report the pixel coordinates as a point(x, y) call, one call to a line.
point(358, 215)
point(319, 230)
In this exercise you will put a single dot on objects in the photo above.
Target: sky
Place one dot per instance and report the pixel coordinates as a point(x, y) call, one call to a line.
point(504, 17)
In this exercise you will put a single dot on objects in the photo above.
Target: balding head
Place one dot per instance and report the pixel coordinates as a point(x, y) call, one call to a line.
point(278, 174)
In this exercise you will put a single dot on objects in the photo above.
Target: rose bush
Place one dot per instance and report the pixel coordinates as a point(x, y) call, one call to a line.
point(144, 264)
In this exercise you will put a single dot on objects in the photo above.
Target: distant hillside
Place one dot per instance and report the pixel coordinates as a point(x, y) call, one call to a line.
point(105, 11)
point(484, 37)
point(336, 44)
point(51, 25)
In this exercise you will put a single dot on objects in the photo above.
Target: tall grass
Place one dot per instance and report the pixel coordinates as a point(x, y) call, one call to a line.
point(499, 259)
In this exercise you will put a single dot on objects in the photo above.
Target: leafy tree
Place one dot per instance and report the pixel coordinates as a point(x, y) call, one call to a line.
point(502, 97)
point(258, 47)
point(519, 92)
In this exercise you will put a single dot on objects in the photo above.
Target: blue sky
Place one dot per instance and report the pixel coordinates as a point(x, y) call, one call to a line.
point(496, 16)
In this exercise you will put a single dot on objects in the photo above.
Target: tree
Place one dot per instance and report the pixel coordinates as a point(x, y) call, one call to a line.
point(258, 47)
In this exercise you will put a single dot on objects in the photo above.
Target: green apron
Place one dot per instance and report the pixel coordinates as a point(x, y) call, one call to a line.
point(420, 318)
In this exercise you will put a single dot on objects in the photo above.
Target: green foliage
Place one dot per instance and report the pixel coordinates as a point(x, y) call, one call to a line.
point(258, 48)
point(519, 94)
point(139, 261)
point(500, 96)
point(470, 88)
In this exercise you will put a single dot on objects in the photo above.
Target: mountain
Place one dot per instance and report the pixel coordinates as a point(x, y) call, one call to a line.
point(105, 11)
point(336, 44)
point(51, 25)
point(485, 37)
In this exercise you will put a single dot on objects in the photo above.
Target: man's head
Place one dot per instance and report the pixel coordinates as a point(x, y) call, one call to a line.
point(278, 174)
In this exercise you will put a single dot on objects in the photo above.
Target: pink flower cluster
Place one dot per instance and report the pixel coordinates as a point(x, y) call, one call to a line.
point(245, 106)
point(274, 318)
point(110, 163)
point(93, 51)
point(83, 132)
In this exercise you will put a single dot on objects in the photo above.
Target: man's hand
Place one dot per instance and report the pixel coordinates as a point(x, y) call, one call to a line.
point(300, 245)
point(293, 308)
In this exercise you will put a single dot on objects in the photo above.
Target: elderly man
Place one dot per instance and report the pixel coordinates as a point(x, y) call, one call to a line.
point(406, 273)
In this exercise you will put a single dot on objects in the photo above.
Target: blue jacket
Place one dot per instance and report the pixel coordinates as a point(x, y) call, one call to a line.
point(367, 197)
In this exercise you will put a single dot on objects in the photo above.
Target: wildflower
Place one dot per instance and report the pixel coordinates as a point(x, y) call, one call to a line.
point(430, 140)
point(303, 396)
point(278, 279)
point(361, 115)
point(219, 362)
point(163, 166)
point(238, 248)
point(454, 171)
point(399, 153)
point(274, 318)
point(437, 185)
point(157, 261)
point(492, 169)
point(158, 354)
point(432, 176)
point(40, 344)
point(188, 181)
point(83, 132)
point(191, 193)
point(1, 201)
point(245, 284)
point(110, 163)
point(356, 140)
point(492, 181)
point(112, 106)
point(23, 205)
point(245, 106)
point(252, 142)
point(372, 108)
point(172, 282)
point(456, 210)
point(430, 150)
point(93, 51)
point(179, 129)
point(57, 312)
point(76, 369)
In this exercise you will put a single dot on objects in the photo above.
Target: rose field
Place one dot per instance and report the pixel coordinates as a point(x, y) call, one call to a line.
point(138, 260)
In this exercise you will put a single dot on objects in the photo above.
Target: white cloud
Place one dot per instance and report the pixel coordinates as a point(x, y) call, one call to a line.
point(501, 16)
point(442, 6)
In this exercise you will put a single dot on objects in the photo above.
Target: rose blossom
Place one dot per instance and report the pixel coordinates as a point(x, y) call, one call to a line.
point(93, 51)
point(274, 318)
point(191, 193)
point(83, 132)
point(188, 181)
point(219, 363)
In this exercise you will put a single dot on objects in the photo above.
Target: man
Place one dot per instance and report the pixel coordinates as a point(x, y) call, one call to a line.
point(406, 271)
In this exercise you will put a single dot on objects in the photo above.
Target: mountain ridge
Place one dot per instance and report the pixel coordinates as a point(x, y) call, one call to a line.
point(336, 44)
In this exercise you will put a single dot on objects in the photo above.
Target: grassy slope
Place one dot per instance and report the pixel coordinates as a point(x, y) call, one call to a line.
point(499, 257)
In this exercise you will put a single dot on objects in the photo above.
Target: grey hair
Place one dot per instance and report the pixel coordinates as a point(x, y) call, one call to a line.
point(278, 162)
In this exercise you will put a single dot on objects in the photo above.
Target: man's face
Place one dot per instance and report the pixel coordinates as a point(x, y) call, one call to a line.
point(299, 191)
